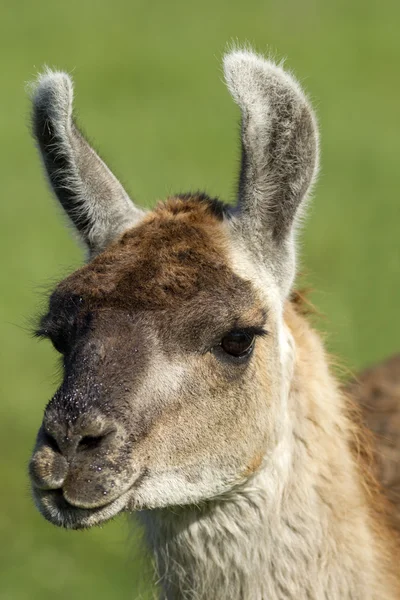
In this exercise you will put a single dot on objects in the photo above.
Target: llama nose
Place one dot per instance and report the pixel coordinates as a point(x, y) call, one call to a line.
point(82, 436)
point(60, 444)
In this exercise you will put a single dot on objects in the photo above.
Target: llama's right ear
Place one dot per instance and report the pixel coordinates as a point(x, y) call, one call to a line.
point(279, 158)
point(90, 194)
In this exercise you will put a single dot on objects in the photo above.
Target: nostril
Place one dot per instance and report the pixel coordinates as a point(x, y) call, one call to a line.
point(90, 442)
point(50, 441)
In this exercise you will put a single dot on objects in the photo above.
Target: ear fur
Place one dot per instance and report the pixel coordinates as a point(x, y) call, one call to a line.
point(279, 156)
point(90, 194)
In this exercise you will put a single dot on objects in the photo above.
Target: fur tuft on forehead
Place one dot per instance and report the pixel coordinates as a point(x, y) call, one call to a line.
point(183, 203)
point(177, 254)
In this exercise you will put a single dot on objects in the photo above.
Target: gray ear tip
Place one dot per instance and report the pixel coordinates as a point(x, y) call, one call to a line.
point(249, 76)
point(52, 92)
point(239, 62)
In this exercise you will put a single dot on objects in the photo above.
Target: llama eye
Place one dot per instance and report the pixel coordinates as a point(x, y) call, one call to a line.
point(238, 343)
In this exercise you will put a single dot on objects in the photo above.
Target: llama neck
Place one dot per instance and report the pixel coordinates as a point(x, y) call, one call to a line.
point(257, 545)
point(298, 528)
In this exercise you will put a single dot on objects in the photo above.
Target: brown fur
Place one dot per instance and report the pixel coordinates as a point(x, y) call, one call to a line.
point(254, 465)
point(377, 393)
point(176, 254)
point(175, 263)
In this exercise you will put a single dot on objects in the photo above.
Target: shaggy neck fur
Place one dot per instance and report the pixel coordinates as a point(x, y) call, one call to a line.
point(302, 527)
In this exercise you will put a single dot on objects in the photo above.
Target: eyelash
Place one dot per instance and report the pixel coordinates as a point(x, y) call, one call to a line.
point(252, 330)
point(59, 340)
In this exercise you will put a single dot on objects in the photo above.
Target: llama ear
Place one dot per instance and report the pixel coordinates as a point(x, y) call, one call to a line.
point(92, 197)
point(279, 157)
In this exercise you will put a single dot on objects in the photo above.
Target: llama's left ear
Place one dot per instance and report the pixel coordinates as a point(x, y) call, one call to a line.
point(279, 158)
point(90, 194)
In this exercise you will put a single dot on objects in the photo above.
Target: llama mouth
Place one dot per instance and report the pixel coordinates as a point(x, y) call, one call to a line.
point(55, 509)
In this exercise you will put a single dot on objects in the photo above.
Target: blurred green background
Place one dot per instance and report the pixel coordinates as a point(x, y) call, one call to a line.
point(149, 94)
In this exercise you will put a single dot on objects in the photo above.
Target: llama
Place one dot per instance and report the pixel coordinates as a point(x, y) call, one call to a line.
point(194, 393)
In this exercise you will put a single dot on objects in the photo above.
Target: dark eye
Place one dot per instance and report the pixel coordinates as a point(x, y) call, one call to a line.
point(238, 343)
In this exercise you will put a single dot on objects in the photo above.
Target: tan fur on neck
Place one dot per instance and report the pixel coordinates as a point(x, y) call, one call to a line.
point(327, 425)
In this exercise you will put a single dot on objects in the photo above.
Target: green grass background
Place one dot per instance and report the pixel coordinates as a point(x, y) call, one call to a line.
point(149, 94)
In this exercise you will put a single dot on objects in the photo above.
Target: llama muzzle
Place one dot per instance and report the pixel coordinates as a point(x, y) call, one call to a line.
point(78, 466)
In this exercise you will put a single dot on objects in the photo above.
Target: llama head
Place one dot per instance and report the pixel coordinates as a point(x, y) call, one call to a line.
point(176, 359)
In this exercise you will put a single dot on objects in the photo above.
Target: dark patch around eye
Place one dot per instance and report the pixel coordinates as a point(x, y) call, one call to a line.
point(60, 324)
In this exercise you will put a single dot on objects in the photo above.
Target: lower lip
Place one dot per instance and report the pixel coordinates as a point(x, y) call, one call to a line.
point(57, 510)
